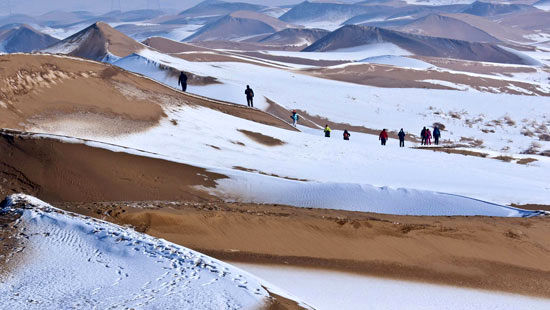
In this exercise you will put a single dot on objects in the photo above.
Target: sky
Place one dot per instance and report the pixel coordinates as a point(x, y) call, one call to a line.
point(36, 7)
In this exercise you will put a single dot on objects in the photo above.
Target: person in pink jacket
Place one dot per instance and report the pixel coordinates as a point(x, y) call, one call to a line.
point(428, 137)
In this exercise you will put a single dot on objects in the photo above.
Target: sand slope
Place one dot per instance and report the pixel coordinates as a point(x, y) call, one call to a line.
point(509, 255)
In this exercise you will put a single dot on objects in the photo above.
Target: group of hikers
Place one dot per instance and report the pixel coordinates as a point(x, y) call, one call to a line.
point(425, 134)
point(383, 136)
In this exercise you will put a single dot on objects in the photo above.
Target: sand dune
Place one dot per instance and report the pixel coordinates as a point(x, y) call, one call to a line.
point(41, 91)
point(97, 42)
point(508, 255)
point(63, 171)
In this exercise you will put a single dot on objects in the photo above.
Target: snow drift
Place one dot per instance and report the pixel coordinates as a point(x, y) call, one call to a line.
point(76, 261)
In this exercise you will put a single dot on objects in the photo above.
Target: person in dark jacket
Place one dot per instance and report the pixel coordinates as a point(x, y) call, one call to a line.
point(401, 136)
point(346, 134)
point(249, 96)
point(383, 137)
point(423, 136)
point(183, 81)
point(436, 135)
point(327, 131)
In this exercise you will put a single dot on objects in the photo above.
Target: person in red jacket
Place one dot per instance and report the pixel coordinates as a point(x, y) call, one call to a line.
point(428, 137)
point(383, 137)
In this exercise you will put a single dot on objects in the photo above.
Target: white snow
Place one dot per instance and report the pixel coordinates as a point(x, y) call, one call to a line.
point(352, 53)
point(358, 168)
point(354, 178)
point(67, 47)
point(399, 61)
point(327, 290)
point(71, 261)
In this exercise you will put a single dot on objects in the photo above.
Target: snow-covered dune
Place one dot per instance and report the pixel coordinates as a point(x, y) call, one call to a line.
point(71, 261)
point(357, 197)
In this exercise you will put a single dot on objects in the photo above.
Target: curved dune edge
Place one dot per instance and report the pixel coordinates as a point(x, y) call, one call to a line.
point(502, 254)
point(69, 247)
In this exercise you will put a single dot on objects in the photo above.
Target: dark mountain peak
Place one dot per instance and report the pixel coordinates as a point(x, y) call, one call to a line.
point(481, 8)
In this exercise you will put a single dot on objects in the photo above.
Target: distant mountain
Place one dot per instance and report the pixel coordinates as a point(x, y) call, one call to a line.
point(536, 22)
point(97, 42)
point(236, 25)
point(435, 25)
point(61, 18)
point(354, 36)
point(323, 12)
point(23, 38)
point(386, 16)
point(294, 36)
point(219, 8)
point(493, 28)
point(17, 19)
point(480, 8)
point(543, 5)
point(135, 15)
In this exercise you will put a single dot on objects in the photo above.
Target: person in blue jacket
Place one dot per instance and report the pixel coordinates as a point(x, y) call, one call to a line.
point(436, 135)
point(294, 118)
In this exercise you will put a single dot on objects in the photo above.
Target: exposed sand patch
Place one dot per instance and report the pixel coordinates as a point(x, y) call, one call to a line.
point(168, 46)
point(475, 67)
point(85, 124)
point(44, 90)
point(532, 207)
point(395, 77)
point(55, 171)
point(278, 302)
point(209, 57)
point(261, 138)
point(11, 243)
point(294, 60)
point(504, 254)
point(450, 150)
point(453, 150)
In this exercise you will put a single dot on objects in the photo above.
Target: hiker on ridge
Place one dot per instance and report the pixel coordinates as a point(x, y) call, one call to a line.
point(183, 81)
point(428, 137)
point(295, 118)
point(249, 96)
point(423, 136)
point(401, 136)
point(383, 137)
point(346, 134)
point(436, 135)
point(327, 131)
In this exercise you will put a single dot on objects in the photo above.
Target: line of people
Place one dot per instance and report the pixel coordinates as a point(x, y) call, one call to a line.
point(384, 137)
point(425, 134)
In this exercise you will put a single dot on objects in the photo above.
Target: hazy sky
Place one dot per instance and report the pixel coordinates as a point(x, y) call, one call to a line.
point(35, 7)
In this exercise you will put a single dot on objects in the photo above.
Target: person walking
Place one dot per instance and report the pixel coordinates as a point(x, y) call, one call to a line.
point(183, 81)
point(383, 137)
point(249, 96)
point(346, 134)
point(423, 136)
point(428, 137)
point(401, 136)
point(327, 131)
point(436, 134)
point(294, 118)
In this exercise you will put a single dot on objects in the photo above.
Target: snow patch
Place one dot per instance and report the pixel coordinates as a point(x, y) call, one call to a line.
point(80, 262)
